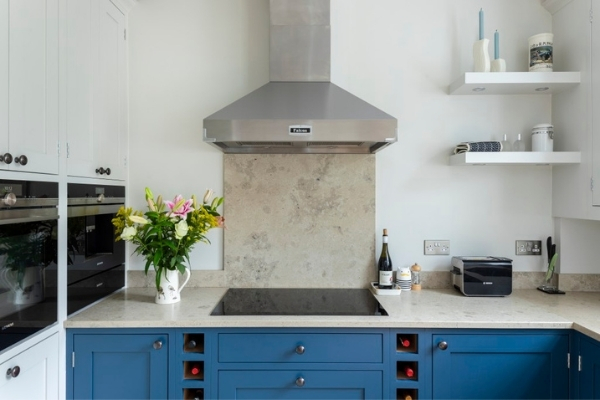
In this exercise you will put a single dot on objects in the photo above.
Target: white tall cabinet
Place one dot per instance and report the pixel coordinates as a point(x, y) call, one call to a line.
point(96, 90)
point(29, 69)
point(576, 112)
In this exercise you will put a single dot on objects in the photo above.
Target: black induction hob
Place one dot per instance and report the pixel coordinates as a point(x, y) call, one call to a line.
point(269, 301)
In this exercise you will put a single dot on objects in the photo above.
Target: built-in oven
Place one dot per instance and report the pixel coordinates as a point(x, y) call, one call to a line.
point(95, 261)
point(28, 258)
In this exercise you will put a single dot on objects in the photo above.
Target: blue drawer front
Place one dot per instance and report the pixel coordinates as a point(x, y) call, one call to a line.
point(280, 384)
point(318, 347)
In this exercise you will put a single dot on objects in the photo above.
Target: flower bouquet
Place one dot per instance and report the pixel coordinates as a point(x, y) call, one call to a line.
point(167, 232)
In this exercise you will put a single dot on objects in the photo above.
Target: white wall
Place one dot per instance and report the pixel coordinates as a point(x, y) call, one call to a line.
point(188, 58)
point(401, 56)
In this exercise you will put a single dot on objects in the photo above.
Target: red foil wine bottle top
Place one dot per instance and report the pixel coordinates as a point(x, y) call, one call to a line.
point(409, 372)
point(405, 342)
point(195, 370)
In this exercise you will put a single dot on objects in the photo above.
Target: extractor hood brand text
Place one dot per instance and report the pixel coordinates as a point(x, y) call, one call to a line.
point(300, 130)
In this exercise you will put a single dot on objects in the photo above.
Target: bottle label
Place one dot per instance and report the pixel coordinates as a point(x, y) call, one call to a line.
point(386, 278)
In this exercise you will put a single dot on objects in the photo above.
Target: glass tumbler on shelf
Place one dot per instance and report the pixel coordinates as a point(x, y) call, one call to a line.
point(519, 144)
point(506, 146)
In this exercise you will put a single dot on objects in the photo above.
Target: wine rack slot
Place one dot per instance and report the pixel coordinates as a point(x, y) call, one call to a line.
point(193, 394)
point(193, 370)
point(407, 394)
point(406, 370)
point(193, 343)
point(406, 343)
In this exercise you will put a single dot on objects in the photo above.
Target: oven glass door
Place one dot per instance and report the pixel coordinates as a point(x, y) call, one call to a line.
point(91, 242)
point(28, 260)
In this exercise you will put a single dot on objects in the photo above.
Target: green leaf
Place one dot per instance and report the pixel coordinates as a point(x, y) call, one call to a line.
point(551, 267)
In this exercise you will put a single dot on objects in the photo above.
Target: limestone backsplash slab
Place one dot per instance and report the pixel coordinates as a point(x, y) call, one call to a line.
point(299, 220)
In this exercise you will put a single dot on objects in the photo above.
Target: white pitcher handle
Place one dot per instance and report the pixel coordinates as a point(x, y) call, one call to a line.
point(188, 274)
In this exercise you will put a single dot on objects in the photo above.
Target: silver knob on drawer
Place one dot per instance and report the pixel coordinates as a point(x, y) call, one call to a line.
point(13, 372)
point(442, 345)
point(300, 382)
point(300, 349)
point(158, 345)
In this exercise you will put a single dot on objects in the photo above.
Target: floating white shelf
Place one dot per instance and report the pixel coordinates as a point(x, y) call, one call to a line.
point(516, 158)
point(481, 83)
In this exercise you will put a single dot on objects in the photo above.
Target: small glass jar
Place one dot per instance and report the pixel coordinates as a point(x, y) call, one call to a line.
point(415, 270)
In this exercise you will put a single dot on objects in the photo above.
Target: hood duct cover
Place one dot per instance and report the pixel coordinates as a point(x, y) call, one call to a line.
point(299, 110)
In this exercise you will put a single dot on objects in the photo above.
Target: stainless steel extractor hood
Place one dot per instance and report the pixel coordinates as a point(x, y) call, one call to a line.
point(300, 110)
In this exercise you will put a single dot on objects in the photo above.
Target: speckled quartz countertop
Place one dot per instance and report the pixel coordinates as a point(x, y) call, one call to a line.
point(433, 308)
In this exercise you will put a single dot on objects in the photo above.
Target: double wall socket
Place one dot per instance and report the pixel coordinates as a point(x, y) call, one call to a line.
point(528, 247)
point(437, 247)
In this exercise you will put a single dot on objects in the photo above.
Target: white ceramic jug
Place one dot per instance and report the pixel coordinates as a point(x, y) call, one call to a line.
point(169, 291)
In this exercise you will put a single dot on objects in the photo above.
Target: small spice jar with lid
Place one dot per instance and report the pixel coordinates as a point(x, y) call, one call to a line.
point(416, 276)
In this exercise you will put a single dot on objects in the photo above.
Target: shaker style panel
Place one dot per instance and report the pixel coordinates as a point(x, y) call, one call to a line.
point(96, 90)
point(130, 365)
point(589, 375)
point(29, 69)
point(300, 347)
point(500, 366)
point(32, 374)
point(299, 384)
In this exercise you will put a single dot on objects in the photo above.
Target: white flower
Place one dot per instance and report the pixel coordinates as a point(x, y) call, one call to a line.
point(138, 220)
point(181, 229)
point(128, 233)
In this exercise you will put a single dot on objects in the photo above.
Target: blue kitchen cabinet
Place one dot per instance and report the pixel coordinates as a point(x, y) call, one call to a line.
point(589, 368)
point(500, 365)
point(300, 384)
point(301, 363)
point(117, 364)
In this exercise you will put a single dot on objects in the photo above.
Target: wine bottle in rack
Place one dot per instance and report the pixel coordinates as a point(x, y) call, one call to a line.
point(404, 342)
point(386, 273)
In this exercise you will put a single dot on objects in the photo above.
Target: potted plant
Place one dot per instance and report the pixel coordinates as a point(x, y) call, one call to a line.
point(165, 234)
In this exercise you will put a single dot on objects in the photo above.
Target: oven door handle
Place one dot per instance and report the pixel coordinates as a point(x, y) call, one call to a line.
point(8, 217)
point(84, 211)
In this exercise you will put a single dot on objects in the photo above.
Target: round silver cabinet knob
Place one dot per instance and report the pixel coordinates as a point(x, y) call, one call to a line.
point(158, 345)
point(300, 382)
point(10, 199)
point(443, 345)
point(21, 160)
point(13, 372)
point(300, 349)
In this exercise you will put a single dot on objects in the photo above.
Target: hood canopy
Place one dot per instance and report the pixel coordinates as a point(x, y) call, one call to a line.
point(300, 111)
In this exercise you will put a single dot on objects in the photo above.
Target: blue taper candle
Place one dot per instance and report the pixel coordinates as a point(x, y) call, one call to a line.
point(496, 45)
point(481, 24)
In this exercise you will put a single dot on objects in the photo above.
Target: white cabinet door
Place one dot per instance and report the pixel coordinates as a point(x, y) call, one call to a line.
point(96, 90)
point(29, 84)
point(37, 376)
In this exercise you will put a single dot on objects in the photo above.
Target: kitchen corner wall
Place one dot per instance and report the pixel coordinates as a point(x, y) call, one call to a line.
point(189, 58)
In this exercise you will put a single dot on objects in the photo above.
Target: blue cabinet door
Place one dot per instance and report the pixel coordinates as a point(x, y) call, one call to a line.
point(120, 366)
point(297, 384)
point(589, 376)
point(500, 366)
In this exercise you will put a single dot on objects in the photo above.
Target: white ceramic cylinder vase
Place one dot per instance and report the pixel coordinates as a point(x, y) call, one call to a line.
point(481, 56)
point(169, 290)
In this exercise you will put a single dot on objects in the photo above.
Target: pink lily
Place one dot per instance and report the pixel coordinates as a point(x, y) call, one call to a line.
point(179, 207)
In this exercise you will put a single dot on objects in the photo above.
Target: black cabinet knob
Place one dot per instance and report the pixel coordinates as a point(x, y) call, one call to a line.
point(6, 158)
point(21, 160)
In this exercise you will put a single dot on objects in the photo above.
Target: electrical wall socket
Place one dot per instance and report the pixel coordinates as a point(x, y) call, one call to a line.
point(528, 247)
point(437, 248)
